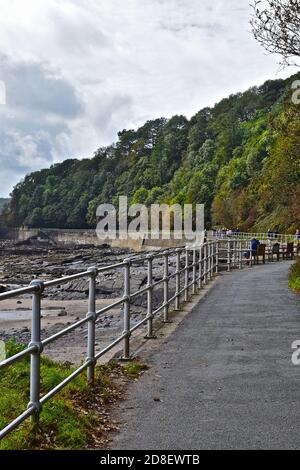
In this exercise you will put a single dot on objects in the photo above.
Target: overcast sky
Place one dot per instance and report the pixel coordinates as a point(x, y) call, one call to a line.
point(78, 71)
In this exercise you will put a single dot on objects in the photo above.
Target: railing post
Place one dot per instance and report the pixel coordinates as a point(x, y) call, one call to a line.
point(205, 263)
point(186, 276)
point(126, 351)
point(35, 362)
point(150, 334)
point(217, 257)
point(177, 280)
point(166, 288)
point(209, 261)
point(228, 256)
point(240, 255)
point(200, 267)
point(194, 272)
point(92, 325)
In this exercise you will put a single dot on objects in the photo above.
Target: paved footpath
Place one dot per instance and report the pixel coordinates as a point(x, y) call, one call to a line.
point(224, 378)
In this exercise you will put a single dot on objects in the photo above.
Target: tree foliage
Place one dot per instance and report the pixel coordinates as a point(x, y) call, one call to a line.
point(276, 26)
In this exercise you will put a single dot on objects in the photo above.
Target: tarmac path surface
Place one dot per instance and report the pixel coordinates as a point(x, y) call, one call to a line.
point(224, 379)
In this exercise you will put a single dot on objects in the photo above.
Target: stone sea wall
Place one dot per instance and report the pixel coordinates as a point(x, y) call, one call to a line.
point(84, 237)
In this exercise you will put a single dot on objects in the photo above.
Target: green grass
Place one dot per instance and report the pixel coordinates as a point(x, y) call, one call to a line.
point(66, 421)
point(294, 281)
point(134, 369)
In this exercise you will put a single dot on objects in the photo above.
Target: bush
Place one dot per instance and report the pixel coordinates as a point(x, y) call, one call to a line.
point(294, 282)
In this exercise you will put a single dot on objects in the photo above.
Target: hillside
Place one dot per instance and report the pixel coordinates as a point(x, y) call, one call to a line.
point(241, 158)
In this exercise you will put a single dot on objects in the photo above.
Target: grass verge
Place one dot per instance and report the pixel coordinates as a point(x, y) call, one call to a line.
point(294, 281)
point(77, 418)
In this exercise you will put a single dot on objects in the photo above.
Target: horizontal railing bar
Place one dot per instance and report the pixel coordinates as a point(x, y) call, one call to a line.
point(140, 323)
point(54, 282)
point(65, 331)
point(109, 307)
point(138, 261)
point(17, 292)
point(156, 283)
point(80, 323)
point(17, 357)
point(65, 382)
point(157, 254)
point(65, 279)
point(110, 346)
point(110, 267)
point(84, 274)
point(170, 276)
point(182, 291)
point(159, 309)
point(19, 420)
point(140, 292)
point(171, 299)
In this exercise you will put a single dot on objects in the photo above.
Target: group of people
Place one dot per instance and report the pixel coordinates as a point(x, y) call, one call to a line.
point(224, 232)
point(275, 234)
point(272, 234)
point(255, 244)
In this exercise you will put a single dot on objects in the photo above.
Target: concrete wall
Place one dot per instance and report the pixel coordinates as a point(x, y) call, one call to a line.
point(9, 234)
point(86, 237)
point(79, 237)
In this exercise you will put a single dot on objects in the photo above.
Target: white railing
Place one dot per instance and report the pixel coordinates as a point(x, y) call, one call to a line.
point(261, 236)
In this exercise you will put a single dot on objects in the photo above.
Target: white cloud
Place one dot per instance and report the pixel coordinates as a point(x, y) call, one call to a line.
point(77, 71)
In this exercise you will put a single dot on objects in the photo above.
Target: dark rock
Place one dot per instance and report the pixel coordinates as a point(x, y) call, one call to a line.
point(62, 313)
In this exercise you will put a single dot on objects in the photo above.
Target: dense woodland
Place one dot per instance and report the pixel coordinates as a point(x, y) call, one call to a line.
point(240, 158)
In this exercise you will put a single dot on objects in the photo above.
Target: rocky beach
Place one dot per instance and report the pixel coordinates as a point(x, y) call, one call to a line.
point(65, 304)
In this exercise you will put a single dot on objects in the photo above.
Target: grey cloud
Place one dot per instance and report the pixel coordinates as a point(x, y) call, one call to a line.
point(80, 33)
point(111, 109)
point(188, 15)
point(36, 118)
point(90, 68)
point(182, 26)
point(31, 86)
point(21, 154)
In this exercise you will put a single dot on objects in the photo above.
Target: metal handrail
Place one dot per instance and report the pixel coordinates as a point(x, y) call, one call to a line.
point(197, 271)
point(271, 236)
